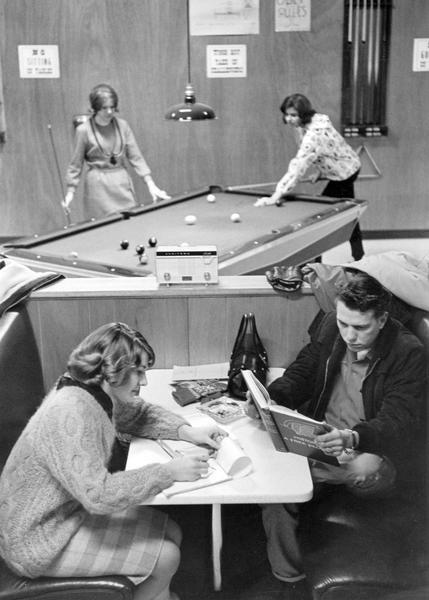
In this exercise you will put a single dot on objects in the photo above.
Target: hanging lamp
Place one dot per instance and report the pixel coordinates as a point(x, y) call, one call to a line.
point(190, 109)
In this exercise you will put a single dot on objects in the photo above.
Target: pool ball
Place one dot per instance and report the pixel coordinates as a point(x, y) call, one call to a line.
point(190, 219)
point(280, 202)
point(235, 218)
point(143, 259)
point(211, 198)
point(73, 254)
point(125, 244)
point(152, 241)
point(139, 249)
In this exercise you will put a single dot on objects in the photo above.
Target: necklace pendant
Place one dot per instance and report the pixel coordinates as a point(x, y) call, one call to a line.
point(113, 160)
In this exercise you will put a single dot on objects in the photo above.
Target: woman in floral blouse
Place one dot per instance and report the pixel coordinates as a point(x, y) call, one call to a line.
point(323, 148)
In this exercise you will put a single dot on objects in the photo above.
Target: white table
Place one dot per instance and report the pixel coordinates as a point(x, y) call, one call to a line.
point(276, 476)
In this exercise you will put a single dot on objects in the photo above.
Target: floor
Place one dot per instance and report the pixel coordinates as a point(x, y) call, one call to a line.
point(245, 570)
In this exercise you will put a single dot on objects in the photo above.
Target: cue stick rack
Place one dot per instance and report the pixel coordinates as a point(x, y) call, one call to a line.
point(366, 42)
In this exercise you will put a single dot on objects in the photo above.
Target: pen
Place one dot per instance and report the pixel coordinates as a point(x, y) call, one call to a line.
point(175, 453)
point(172, 453)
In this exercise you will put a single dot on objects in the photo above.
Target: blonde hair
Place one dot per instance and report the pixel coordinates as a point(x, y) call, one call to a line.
point(110, 353)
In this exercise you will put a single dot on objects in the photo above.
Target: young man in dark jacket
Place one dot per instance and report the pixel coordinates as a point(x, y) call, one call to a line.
point(363, 374)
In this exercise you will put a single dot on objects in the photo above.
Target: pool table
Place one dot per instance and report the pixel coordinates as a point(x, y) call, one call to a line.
point(302, 228)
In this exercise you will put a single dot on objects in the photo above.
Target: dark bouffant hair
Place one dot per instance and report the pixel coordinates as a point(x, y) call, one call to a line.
point(110, 353)
point(301, 104)
point(100, 94)
point(362, 292)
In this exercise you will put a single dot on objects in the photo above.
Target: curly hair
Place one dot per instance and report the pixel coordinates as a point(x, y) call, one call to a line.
point(110, 353)
point(363, 292)
point(100, 94)
point(301, 104)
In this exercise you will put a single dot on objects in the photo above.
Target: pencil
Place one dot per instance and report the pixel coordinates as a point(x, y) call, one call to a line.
point(172, 453)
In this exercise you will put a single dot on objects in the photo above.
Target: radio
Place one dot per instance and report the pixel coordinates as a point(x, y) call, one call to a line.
point(186, 264)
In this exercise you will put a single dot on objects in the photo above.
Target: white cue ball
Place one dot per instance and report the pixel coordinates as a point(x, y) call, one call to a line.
point(143, 259)
point(211, 198)
point(73, 254)
point(235, 218)
point(190, 219)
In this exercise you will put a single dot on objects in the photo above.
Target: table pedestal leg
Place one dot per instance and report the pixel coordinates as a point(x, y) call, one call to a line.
point(217, 545)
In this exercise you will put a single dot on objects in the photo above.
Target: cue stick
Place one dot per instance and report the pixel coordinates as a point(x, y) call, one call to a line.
point(248, 186)
point(355, 64)
point(376, 60)
point(383, 60)
point(362, 66)
point(51, 137)
point(369, 107)
point(350, 23)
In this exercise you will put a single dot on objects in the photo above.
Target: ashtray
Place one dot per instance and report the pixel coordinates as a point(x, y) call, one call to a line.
point(223, 409)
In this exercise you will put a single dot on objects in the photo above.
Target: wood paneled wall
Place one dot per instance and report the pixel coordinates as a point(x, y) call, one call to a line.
point(139, 46)
point(185, 327)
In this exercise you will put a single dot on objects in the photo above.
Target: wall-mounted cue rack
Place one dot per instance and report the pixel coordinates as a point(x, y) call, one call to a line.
point(366, 40)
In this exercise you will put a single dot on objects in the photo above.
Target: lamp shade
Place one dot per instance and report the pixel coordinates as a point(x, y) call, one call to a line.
point(190, 109)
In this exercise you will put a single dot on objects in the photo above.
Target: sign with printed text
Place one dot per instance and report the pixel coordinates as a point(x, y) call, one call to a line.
point(226, 60)
point(224, 17)
point(39, 62)
point(293, 15)
point(421, 54)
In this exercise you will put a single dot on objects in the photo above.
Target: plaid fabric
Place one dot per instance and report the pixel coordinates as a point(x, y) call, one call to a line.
point(124, 543)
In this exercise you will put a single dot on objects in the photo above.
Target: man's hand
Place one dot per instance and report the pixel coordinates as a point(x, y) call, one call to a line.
point(250, 408)
point(334, 441)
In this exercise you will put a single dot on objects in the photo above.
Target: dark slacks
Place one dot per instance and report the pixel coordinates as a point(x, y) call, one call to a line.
point(345, 189)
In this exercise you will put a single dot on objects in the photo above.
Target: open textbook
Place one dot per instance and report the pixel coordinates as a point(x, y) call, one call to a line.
point(290, 431)
point(228, 462)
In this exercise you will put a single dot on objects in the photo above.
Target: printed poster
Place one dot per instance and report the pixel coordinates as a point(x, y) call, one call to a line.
point(223, 17)
point(292, 15)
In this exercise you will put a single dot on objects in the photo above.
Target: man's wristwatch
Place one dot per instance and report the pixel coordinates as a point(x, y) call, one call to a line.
point(355, 439)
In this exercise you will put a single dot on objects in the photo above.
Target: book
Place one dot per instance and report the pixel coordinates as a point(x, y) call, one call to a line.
point(187, 392)
point(289, 430)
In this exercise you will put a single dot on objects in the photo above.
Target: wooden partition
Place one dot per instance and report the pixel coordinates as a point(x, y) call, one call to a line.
point(186, 326)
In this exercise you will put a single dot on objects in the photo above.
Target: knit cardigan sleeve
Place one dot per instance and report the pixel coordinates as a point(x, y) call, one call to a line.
point(144, 419)
point(75, 441)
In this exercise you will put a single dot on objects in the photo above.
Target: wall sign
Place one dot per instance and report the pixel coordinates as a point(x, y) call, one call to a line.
point(293, 15)
point(421, 54)
point(226, 60)
point(38, 62)
point(224, 17)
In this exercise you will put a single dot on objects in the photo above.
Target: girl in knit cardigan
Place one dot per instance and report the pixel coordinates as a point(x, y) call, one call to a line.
point(64, 510)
